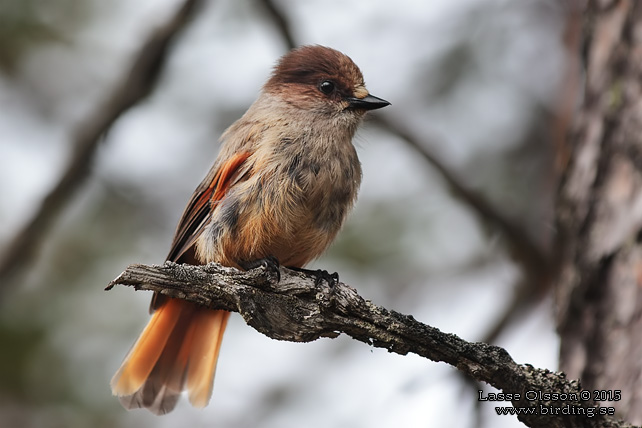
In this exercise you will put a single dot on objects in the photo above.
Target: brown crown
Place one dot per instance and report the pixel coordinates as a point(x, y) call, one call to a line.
point(310, 65)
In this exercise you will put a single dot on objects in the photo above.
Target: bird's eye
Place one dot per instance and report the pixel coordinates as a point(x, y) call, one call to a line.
point(327, 86)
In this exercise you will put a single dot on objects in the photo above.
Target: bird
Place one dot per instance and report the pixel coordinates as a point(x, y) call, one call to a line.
point(285, 178)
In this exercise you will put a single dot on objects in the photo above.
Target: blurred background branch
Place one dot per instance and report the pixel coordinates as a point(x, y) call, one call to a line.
point(136, 84)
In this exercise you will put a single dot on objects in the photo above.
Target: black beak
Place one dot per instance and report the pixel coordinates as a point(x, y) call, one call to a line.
point(369, 102)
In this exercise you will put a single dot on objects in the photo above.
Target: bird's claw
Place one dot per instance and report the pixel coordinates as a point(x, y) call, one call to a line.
point(270, 263)
point(323, 275)
point(320, 275)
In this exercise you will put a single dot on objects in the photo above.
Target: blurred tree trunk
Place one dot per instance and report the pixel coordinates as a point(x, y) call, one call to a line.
point(599, 213)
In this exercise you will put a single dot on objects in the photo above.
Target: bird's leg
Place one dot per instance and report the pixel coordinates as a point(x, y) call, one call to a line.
point(320, 275)
point(270, 263)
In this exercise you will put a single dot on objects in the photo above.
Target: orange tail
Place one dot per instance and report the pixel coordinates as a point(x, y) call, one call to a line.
point(178, 349)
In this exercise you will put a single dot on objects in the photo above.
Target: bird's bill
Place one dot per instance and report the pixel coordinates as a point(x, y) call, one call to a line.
point(369, 102)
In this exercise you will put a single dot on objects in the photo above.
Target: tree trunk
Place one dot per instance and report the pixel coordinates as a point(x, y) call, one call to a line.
point(599, 214)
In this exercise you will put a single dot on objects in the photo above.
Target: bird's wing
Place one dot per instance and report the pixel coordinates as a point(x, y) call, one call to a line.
point(196, 215)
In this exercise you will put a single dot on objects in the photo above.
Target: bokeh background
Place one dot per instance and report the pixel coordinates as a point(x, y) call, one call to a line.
point(475, 90)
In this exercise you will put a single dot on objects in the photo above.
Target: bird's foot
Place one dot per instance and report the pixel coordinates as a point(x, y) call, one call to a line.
point(270, 263)
point(320, 275)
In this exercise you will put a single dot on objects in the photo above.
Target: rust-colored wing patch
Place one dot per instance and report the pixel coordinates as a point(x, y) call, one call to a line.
point(207, 194)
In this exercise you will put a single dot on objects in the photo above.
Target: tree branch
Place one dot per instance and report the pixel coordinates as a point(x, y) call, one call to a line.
point(534, 260)
point(295, 309)
point(281, 23)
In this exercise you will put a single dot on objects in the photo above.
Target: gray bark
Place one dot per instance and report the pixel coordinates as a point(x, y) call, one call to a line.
point(599, 213)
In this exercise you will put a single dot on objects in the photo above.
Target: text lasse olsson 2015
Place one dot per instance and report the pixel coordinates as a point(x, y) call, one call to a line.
point(564, 408)
point(532, 395)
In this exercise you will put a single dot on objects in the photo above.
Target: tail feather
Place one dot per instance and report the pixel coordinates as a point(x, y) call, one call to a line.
point(204, 354)
point(157, 399)
point(176, 340)
point(141, 359)
point(163, 387)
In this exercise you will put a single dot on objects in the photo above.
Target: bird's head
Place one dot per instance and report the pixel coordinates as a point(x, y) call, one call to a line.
point(322, 80)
